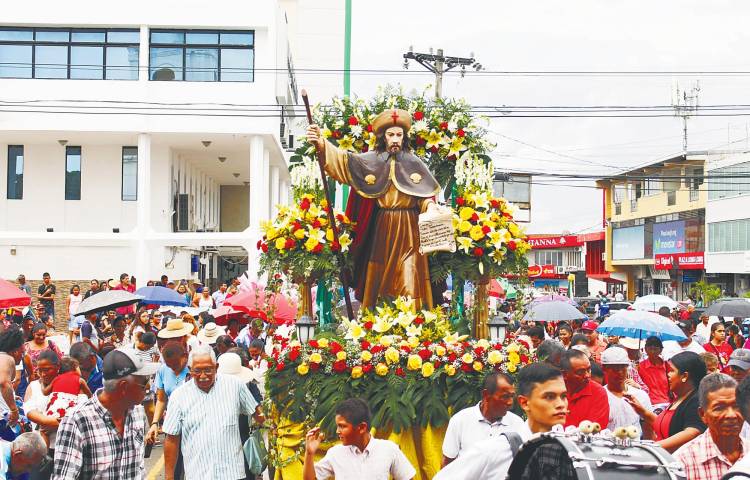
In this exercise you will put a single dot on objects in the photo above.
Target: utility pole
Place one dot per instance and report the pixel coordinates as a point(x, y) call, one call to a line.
point(439, 64)
point(685, 104)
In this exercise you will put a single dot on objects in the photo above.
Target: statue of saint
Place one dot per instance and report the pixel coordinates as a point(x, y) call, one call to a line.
point(393, 186)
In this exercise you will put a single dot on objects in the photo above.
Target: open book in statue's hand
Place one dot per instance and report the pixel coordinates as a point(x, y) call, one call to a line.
point(436, 231)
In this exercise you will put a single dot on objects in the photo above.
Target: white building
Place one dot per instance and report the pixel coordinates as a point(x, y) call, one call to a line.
point(147, 137)
point(727, 256)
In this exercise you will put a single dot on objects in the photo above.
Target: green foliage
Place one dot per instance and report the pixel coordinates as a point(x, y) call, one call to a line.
point(706, 291)
point(391, 404)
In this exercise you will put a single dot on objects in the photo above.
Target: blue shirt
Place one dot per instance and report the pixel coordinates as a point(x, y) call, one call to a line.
point(5, 459)
point(96, 379)
point(166, 379)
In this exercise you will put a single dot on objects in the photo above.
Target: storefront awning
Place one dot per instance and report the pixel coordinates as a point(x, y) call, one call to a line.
point(605, 277)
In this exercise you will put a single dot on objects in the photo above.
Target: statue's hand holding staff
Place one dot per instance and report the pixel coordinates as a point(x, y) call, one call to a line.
point(315, 137)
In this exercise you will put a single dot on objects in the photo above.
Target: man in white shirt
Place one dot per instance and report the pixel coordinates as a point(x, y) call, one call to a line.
point(672, 348)
point(703, 329)
point(543, 396)
point(220, 295)
point(489, 418)
point(615, 363)
point(359, 456)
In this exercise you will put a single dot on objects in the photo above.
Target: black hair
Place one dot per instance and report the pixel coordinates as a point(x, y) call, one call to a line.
point(46, 274)
point(654, 342)
point(148, 338)
point(536, 331)
point(743, 397)
point(37, 327)
point(173, 349)
point(80, 351)
point(225, 340)
point(106, 348)
point(242, 353)
point(118, 319)
point(11, 339)
point(50, 356)
point(665, 312)
point(570, 355)
point(354, 411)
point(692, 364)
point(532, 375)
point(75, 285)
point(551, 352)
point(596, 370)
point(564, 326)
point(123, 275)
point(257, 343)
point(490, 381)
point(68, 364)
point(714, 327)
point(578, 339)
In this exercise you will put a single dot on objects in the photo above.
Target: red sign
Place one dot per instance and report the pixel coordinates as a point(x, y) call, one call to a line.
point(554, 242)
point(682, 261)
point(542, 271)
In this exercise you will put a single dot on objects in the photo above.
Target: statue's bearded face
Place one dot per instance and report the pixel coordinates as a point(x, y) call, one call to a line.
point(394, 139)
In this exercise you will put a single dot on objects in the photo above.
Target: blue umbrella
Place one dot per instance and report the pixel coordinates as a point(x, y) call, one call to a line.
point(641, 325)
point(161, 296)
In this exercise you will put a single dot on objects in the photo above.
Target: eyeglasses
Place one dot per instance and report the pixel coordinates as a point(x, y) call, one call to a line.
point(197, 372)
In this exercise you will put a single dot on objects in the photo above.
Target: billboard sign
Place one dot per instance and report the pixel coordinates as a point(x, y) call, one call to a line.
point(669, 237)
point(627, 243)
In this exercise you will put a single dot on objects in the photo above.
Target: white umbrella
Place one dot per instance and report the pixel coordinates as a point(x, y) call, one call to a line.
point(653, 303)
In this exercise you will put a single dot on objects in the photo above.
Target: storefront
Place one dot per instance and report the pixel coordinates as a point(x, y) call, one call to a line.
point(684, 270)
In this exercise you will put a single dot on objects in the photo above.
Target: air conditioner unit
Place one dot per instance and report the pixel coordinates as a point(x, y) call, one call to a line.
point(184, 212)
point(577, 249)
point(560, 270)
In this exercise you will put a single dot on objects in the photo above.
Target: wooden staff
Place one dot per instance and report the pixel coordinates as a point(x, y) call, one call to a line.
point(344, 277)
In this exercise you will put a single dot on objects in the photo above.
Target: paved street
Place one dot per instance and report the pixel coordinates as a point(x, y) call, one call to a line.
point(155, 464)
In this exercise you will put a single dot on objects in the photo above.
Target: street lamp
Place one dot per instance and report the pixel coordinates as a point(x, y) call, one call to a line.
point(498, 329)
point(571, 284)
point(305, 326)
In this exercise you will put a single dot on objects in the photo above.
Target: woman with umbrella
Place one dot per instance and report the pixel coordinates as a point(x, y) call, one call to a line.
point(718, 346)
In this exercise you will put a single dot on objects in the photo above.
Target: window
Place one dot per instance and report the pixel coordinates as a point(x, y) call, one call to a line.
point(731, 236)
point(91, 54)
point(727, 182)
point(130, 173)
point(72, 173)
point(548, 257)
point(651, 186)
point(201, 56)
point(15, 172)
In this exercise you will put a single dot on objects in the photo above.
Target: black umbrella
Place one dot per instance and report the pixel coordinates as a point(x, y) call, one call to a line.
point(736, 307)
point(103, 301)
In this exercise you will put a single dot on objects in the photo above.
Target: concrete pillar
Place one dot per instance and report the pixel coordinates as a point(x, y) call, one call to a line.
point(258, 211)
point(284, 192)
point(143, 225)
point(274, 182)
point(143, 54)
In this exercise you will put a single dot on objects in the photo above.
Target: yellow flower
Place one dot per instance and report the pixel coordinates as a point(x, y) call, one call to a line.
point(494, 357)
point(464, 226)
point(428, 369)
point(341, 355)
point(514, 230)
point(465, 244)
point(327, 132)
point(514, 358)
point(382, 325)
point(483, 343)
point(346, 143)
point(381, 369)
point(456, 146)
point(413, 342)
point(405, 304)
point(311, 243)
point(315, 358)
point(429, 316)
point(357, 371)
point(295, 344)
point(279, 243)
point(440, 350)
point(477, 366)
point(476, 233)
point(299, 234)
point(323, 343)
point(386, 341)
point(302, 369)
point(414, 362)
point(366, 356)
point(329, 234)
point(450, 370)
point(344, 241)
point(511, 368)
point(434, 139)
point(466, 213)
point(391, 355)
point(414, 331)
point(272, 233)
point(467, 358)
point(513, 347)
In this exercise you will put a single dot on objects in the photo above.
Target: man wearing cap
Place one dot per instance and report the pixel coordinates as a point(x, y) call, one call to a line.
point(739, 364)
point(615, 363)
point(596, 345)
point(103, 438)
point(201, 421)
point(672, 347)
point(393, 187)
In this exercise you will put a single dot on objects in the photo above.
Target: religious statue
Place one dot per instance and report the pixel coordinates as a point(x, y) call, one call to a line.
point(393, 186)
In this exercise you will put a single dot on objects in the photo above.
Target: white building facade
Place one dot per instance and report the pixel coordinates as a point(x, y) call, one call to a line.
point(144, 137)
point(727, 256)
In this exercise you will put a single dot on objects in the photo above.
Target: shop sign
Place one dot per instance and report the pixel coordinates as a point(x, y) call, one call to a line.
point(542, 271)
point(554, 242)
point(669, 237)
point(682, 261)
point(627, 243)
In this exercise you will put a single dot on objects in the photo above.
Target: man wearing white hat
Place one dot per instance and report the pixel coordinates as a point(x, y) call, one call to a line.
point(209, 333)
point(178, 330)
point(623, 398)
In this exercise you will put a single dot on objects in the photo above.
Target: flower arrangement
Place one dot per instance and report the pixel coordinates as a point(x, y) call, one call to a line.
point(300, 241)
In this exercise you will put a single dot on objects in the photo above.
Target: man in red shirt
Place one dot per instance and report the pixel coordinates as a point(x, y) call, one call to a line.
point(596, 345)
point(587, 400)
point(128, 287)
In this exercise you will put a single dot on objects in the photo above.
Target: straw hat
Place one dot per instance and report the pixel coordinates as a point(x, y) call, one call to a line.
point(210, 333)
point(175, 328)
point(393, 117)
point(231, 364)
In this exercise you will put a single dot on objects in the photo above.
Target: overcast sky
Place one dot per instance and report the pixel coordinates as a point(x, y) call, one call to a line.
point(581, 35)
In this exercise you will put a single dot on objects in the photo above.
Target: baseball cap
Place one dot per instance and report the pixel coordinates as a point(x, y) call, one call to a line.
point(684, 324)
point(123, 361)
point(740, 358)
point(615, 356)
point(589, 325)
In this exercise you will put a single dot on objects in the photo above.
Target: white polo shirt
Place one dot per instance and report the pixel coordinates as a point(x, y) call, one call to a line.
point(380, 460)
point(672, 348)
point(621, 414)
point(469, 427)
point(486, 460)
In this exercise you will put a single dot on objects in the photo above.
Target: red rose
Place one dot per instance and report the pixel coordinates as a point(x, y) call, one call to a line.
point(365, 345)
point(335, 246)
point(486, 229)
point(318, 248)
point(478, 252)
point(512, 245)
point(353, 121)
point(524, 359)
point(426, 343)
point(424, 354)
point(524, 343)
point(294, 354)
point(367, 367)
point(465, 367)
point(335, 347)
point(368, 325)
point(474, 217)
point(304, 204)
point(495, 203)
point(313, 343)
point(479, 350)
point(420, 141)
point(365, 148)
point(437, 365)
point(369, 128)
point(460, 201)
point(406, 348)
point(314, 367)
point(339, 366)
point(452, 158)
point(296, 226)
point(264, 248)
point(316, 223)
point(443, 125)
point(376, 349)
point(289, 244)
point(260, 242)
point(507, 215)
point(280, 366)
point(419, 320)
point(451, 357)
point(418, 115)
point(434, 149)
point(336, 134)
point(400, 372)
point(460, 132)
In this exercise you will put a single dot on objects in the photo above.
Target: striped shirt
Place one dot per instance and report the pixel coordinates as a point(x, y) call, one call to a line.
point(207, 423)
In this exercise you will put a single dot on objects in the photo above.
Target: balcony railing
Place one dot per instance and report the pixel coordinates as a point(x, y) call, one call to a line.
point(694, 194)
point(634, 205)
point(618, 209)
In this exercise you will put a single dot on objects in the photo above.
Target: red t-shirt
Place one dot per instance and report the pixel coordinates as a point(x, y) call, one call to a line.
point(68, 382)
point(655, 378)
point(589, 403)
point(661, 425)
point(723, 351)
point(129, 308)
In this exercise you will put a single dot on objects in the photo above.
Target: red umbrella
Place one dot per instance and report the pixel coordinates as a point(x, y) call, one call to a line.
point(257, 299)
point(12, 296)
point(223, 314)
point(495, 290)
